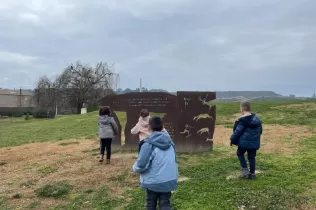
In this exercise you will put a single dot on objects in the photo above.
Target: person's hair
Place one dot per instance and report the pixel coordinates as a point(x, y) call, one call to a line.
point(104, 111)
point(144, 113)
point(245, 106)
point(156, 124)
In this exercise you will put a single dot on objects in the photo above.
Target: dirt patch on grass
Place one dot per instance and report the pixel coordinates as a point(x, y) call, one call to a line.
point(303, 106)
point(275, 138)
point(32, 166)
point(229, 119)
point(183, 179)
point(306, 207)
point(236, 174)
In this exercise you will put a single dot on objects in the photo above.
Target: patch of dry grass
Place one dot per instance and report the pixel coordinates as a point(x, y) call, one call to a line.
point(275, 138)
point(24, 171)
point(302, 106)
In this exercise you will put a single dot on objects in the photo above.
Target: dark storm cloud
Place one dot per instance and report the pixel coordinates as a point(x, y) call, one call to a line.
point(193, 45)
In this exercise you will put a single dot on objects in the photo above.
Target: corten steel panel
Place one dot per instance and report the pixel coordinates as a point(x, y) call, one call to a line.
point(155, 102)
point(170, 121)
point(196, 122)
point(190, 131)
point(117, 141)
point(132, 103)
point(132, 115)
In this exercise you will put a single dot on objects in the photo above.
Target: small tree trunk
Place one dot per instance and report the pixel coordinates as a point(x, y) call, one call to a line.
point(79, 109)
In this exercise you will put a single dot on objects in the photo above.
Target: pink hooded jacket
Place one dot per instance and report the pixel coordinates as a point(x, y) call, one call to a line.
point(142, 128)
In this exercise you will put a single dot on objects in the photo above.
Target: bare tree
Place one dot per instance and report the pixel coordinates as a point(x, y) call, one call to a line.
point(45, 95)
point(80, 83)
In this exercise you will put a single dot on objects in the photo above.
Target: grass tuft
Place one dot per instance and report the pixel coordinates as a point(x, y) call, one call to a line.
point(34, 205)
point(17, 196)
point(45, 170)
point(56, 190)
point(68, 143)
point(29, 183)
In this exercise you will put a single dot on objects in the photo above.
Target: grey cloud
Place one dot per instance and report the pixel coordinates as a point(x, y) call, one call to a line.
point(193, 45)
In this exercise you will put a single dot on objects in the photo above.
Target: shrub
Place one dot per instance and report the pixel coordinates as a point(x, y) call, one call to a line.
point(92, 109)
point(56, 190)
point(17, 114)
point(27, 116)
point(43, 113)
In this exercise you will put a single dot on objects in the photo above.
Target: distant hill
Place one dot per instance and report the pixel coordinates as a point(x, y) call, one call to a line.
point(254, 96)
point(233, 95)
point(246, 94)
point(128, 90)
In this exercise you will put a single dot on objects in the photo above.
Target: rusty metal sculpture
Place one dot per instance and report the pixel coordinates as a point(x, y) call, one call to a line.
point(188, 117)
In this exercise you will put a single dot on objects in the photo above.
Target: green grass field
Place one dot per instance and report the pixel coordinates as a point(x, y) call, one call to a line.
point(61, 178)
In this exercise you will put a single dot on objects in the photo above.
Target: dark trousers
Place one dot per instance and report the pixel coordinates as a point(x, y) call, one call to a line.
point(153, 197)
point(106, 144)
point(251, 158)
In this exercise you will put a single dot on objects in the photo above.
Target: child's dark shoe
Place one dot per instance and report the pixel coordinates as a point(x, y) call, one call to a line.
point(101, 160)
point(252, 177)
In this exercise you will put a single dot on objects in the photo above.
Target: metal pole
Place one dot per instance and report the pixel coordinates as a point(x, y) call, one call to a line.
point(20, 97)
point(140, 85)
point(116, 78)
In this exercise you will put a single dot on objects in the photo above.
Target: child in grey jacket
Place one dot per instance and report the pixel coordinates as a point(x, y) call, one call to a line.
point(107, 130)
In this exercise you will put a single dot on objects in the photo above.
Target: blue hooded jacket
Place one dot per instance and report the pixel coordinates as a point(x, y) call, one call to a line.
point(157, 164)
point(247, 132)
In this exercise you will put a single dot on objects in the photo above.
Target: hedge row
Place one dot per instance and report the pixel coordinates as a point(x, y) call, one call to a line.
point(92, 109)
point(19, 112)
point(42, 113)
point(15, 112)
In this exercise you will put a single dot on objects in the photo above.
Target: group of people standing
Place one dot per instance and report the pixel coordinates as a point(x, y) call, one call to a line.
point(157, 162)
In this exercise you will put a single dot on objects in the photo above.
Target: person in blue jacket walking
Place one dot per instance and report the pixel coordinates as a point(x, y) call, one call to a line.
point(246, 135)
point(157, 166)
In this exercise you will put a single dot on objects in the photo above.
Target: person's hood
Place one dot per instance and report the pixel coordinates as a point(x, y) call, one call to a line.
point(161, 140)
point(251, 120)
point(144, 121)
point(104, 119)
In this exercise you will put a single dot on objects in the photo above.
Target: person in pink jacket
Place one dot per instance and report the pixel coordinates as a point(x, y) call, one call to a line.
point(142, 127)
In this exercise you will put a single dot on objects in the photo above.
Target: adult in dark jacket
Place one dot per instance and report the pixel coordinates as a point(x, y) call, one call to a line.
point(107, 130)
point(246, 135)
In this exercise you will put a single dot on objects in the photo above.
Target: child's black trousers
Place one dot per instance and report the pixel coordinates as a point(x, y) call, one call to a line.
point(106, 144)
point(163, 200)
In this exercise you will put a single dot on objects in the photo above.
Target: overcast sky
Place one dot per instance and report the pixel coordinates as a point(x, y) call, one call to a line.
point(171, 44)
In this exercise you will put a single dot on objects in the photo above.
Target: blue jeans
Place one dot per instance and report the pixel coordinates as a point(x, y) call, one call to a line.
point(153, 197)
point(251, 158)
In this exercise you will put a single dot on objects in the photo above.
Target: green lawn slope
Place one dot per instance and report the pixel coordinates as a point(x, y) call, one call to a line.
point(286, 180)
